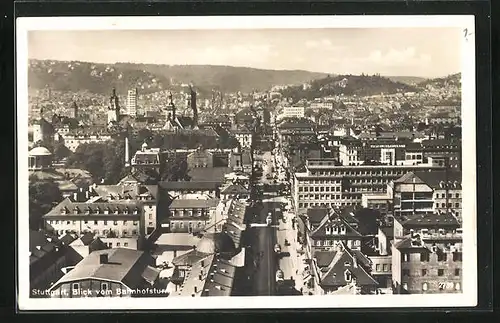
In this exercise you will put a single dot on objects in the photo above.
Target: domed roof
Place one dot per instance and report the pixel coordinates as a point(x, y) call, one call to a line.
point(39, 151)
point(216, 242)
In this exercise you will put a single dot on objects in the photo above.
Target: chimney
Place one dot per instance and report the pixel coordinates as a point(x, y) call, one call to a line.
point(87, 195)
point(75, 197)
point(127, 157)
point(103, 258)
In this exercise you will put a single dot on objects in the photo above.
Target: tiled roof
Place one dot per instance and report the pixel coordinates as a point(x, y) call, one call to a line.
point(191, 185)
point(388, 231)
point(87, 238)
point(185, 121)
point(234, 233)
point(66, 239)
point(324, 258)
point(341, 262)
point(192, 284)
point(124, 265)
point(334, 221)
point(235, 189)
point(146, 158)
point(438, 178)
point(150, 274)
point(189, 258)
point(69, 208)
point(409, 178)
point(431, 220)
point(220, 280)
point(409, 243)
point(206, 174)
point(439, 142)
point(192, 203)
point(316, 215)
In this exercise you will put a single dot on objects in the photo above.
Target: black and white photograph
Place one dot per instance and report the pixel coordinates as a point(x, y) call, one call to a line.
point(279, 162)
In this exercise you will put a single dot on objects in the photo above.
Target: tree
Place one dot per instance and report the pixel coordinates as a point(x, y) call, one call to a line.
point(175, 169)
point(61, 151)
point(144, 135)
point(43, 196)
point(105, 161)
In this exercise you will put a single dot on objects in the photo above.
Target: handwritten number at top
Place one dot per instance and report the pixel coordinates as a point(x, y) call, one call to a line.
point(467, 34)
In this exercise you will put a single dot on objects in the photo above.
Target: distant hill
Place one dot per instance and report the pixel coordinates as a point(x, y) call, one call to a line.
point(99, 78)
point(361, 85)
point(411, 80)
point(452, 80)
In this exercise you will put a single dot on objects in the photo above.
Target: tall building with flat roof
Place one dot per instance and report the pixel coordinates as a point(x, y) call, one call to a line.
point(132, 102)
point(325, 183)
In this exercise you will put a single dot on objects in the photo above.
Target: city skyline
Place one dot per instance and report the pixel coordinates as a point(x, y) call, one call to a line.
point(419, 52)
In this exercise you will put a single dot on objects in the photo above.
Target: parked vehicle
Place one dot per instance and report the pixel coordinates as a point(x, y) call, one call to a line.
point(287, 243)
point(277, 248)
point(279, 275)
point(269, 220)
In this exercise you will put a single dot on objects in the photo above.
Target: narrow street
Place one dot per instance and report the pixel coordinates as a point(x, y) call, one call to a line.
point(265, 258)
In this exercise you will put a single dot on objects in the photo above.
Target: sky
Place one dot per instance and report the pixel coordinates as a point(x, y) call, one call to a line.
point(423, 52)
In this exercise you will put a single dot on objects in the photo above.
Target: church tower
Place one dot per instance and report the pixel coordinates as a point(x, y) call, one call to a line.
point(74, 111)
point(194, 107)
point(170, 112)
point(170, 109)
point(113, 108)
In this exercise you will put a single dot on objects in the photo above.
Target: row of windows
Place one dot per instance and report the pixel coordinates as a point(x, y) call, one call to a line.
point(187, 213)
point(366, 173)
point(443, 195)
point(323, 181)
point(104, 232)
point(180, 224)
point(443, 205)
point(309, 205)
point(385, 267)
point(327, 243)
point(319, 189)
point(425, 272)
point(410, 156)
point(424, 257)
point(95, 222)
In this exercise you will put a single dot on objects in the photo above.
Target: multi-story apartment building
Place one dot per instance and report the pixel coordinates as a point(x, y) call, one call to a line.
point(377, 201)
point(424, 192)
point(186, 190)
point(427, 255)
point(115, 223)
point(293, 112)
point(120, 215)
point(190, 215)
point(324, 183)
point(74, 138)
point(354, 152)
point(244, 136)
point(450, 150)
point(322, 105)
point(146, 158)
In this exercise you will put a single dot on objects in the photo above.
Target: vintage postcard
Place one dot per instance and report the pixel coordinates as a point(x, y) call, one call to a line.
point(246, 162)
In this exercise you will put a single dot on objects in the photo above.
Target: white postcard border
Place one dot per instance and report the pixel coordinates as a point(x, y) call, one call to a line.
point(467, 298)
